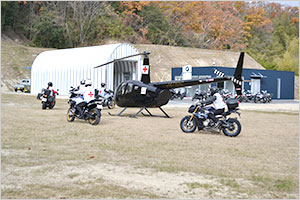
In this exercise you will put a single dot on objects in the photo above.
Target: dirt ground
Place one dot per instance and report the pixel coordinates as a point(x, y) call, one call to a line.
point(44, 156)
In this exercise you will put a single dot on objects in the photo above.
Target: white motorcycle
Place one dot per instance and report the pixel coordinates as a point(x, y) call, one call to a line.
point(91, 112)
point(108, 99)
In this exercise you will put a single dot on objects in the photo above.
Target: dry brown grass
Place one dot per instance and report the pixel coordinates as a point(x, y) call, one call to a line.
point(44, 156)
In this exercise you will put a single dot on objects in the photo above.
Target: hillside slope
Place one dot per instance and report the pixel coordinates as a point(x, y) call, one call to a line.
point(14, 58)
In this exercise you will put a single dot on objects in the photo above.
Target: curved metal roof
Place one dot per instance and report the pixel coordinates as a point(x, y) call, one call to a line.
point(74, 57)
point(66, 67)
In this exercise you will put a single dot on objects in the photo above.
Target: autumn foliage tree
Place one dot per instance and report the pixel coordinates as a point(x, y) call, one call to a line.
point(210, 25)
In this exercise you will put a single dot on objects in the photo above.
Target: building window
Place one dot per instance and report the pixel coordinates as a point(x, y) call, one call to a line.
point(178, 78)
point(220, 85)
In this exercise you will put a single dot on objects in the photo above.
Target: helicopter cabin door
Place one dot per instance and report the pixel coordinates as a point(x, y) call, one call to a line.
point(123, 71)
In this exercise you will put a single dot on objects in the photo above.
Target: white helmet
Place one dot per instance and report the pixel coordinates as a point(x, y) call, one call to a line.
point(88, 83)
point(82, 82)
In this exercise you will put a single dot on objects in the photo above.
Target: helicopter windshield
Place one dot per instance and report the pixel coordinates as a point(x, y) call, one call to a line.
point(129, 88)
point(121, 89)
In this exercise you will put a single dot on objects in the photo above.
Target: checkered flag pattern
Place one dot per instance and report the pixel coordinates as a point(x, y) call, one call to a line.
point(221, 74)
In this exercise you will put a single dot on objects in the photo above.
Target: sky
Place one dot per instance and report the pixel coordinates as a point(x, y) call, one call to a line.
point(290, 3)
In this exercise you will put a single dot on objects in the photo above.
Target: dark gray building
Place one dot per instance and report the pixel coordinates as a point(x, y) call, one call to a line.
point(279, 83)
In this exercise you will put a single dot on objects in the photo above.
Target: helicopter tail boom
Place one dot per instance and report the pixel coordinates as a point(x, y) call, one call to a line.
point(236, 79)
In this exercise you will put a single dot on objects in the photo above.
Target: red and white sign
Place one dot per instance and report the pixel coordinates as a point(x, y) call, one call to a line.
point(145, 69)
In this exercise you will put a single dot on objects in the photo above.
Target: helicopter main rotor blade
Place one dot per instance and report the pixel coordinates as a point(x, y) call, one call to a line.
point(119, 59)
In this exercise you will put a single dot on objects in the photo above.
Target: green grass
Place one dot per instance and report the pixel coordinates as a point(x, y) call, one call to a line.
point(282, 184)
point(229, 182)
point(195, 185)
point(285, 185)
point(73, 175)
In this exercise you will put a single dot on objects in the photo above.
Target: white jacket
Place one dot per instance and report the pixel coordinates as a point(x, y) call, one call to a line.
point(89, 94)
point(219, 102)
point(102, 92)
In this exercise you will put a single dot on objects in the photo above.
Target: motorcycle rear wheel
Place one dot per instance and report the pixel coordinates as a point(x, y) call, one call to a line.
point(70, 115)
point(234, 129)
point(187, 125)
point(44, 106)
point(96, 116)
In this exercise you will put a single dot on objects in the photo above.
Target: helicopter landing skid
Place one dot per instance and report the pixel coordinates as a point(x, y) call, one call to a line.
point(140, 111)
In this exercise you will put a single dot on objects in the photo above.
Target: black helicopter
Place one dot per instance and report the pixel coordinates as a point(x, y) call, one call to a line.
point(144, 94)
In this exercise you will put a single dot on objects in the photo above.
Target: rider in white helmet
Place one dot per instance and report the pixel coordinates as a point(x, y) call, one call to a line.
point(218, 105)
point(88, 94)
point(102, 90)
point(81, 86)
point(80, 91)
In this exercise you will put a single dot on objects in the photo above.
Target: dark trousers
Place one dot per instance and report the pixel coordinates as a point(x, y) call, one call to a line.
point(80, 107)
point(214, 113)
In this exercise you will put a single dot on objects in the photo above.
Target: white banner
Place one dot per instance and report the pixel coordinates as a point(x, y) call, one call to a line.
point(186, 72)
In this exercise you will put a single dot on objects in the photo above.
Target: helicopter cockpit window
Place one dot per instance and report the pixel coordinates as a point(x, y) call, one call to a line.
point(129, 88)
point(136, 87)
point(123, 88)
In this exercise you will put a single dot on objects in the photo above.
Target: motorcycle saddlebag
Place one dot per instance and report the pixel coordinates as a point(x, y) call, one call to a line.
point(232, 103)
point(47, 92)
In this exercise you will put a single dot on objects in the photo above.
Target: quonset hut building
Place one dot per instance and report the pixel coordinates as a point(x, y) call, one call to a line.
point(67, 67)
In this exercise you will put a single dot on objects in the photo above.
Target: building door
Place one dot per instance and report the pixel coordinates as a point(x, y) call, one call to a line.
point(127, 76)
point(255, 86)
point(229, 86)
point(123, 71)
point(278, 87)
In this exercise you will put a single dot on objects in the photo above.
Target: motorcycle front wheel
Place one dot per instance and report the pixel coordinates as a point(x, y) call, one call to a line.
point(95, 116)
point(111, 104)
point(52, 105)
point(264, 100)
point(187, 125)
point(70, 115)
point(234, 129)
point(255, 100)
point(269, 100)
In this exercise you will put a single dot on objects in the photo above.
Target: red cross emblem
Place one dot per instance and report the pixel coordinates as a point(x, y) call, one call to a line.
point(145, 69)
point(90, 94)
